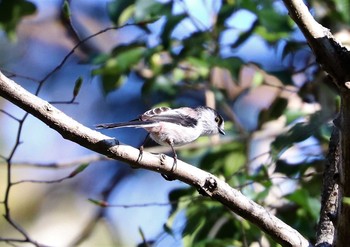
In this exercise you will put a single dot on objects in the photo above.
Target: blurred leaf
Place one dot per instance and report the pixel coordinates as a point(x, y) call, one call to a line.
point(299, 132)
point(343, 7)
point(12, 12)
point(268, 36)
point(258, 79)
point(168, 230)
point(346, 200)
point(175, 195)
point(273, 21)
point(66, 13)
point(99, 202)
point(170, 24)
point(116, 67)
point(284, 76)
point(245, 35)
point(77, 86)
point(194, 44)
point(292, 47)
point(293, 115)
point(233, 64)
point(303, 199)
point(274, 111)
point(290, 170)
point(78, 170)
point(116, 8)
point(111, 82)
point(233, 162)
point(97, 59)
point(226, 159)
point(226, 10)
point(149, 10)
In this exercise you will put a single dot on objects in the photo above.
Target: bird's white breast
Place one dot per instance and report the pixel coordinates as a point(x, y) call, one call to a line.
point(176, 134)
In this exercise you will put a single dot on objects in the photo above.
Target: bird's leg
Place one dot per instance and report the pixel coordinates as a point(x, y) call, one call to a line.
point(175, 158)
point(141, 147)
point(169, 177)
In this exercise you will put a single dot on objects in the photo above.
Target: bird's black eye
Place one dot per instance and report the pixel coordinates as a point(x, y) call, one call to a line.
point(217, 119)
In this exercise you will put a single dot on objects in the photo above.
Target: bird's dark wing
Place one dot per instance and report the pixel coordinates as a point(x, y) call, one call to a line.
point(179, 119)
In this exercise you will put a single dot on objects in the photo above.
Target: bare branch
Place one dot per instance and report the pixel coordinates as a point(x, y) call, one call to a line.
point(58, 165)
point(206, 183)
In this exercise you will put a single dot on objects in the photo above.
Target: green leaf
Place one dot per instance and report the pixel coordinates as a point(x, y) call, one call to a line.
point(303, 199)
point(293, 114)
point(116, 68)
point(77, 86)
point(233, 64)
point(343, 7)
point(226, 159)
point(111, 82)
point(78, 170)
point(346, 200)
point(269, 36)
point(66, 10)
point(149, 10)
point(273, 21)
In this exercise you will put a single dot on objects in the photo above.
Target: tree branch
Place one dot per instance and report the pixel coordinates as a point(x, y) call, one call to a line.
point(330, 190)
point(205, 182)
point(335, 60)
point(332, 56)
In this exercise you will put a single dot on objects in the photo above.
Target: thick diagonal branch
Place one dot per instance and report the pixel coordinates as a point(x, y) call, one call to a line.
point(205, 182)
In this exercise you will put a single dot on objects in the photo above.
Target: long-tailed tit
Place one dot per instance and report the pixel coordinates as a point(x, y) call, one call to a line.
point(175, 127)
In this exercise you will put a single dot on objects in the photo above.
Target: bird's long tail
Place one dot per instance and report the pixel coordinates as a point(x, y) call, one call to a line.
point(131, 124)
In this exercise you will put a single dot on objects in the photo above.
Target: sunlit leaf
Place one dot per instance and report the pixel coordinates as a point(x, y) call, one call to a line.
point(346, 200)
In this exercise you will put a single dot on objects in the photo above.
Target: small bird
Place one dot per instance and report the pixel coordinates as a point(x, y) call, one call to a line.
point(175, 127)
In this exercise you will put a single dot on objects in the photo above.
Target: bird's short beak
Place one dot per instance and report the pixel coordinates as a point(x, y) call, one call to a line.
point(221, 131)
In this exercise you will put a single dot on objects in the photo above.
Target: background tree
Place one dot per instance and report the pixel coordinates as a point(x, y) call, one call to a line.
point(246, 59)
